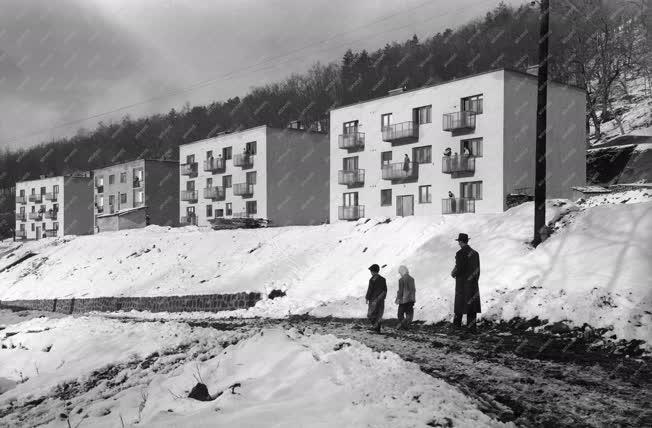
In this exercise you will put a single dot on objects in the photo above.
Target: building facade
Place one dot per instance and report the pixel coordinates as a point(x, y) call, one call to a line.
point(276, 174)
point(137, 193)
point(456, 147)
point(54, 206)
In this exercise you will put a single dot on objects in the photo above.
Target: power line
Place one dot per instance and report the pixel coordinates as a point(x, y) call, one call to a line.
point(229, 75)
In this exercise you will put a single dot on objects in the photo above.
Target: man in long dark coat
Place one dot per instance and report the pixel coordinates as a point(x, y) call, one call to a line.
point(375, 297)
point(467, 275)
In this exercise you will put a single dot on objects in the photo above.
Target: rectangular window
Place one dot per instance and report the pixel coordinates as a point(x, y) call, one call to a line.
point(472, 147)
point(226, 181)
point(219, 213)
point(55, 208)
point(350, 164)
point(33, 226)
point(422, 154)
point(190, 185)
point(227, 153)
point(138, 177)
point(350, 199)
point(229, 208)
point(422, 115)
point(43, 190)
point(251, 177)
point(209, 154)
point(252, 207)
point(190, 159)
point(209, 182)
point(386, 197)
point(55, 189)
point(55, 225)
point(425, 196)
point(138, 198)
point(123, 198)
point(111, 199)
point(350, 127)
point(251, 148)
point(471, 190)
point(112, 179)
point(22, 192)
point(209, 211)
point(123, 177)
point(385, 158)
point(99, 182)
point(473, 104)
point(385, 120)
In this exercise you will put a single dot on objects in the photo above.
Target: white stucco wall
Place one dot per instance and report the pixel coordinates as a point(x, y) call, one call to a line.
point(48, 183)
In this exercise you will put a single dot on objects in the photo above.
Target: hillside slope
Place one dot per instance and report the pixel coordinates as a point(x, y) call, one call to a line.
point(594, 270)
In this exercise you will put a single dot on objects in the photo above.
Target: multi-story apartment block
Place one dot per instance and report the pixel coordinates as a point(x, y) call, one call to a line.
point(277, 174)
point(137, 193)
point(54, 206)
point(454, 147)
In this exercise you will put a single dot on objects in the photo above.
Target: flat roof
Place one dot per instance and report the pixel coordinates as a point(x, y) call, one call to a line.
point(271, 128)
point(50, 177)
point(135, 160)
point(456, 79)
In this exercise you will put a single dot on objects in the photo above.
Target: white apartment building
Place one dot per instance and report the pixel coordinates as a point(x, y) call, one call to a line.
point(54, 206)
point(276, 174)
point(474, 137)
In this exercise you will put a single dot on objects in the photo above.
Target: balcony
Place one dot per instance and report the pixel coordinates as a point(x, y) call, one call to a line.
point(458, 121)
point(243, 160)
point(457, 164)
point(21, 200)
point(189, 195)
point(188, 168)
point(351, 140)
point(189, 220)
point(35, 216)
point(51, 196)
point(36, 197)
point(215, 165)
point(353, 212)
point(243, 189)
point(404, 132)
point(51, 232)
point(50, 215)
point(351, 177)
point(216, 193)
point(457, 205)
point(21, 216)
point(21, 234)
point(397, 171)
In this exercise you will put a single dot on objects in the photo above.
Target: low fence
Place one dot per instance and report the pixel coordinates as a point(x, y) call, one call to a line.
point(187, 303)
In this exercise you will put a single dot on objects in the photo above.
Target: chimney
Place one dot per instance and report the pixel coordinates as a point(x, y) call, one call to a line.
point(396, 91)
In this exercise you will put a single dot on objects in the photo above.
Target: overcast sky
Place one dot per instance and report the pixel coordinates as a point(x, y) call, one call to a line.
point(66, 60)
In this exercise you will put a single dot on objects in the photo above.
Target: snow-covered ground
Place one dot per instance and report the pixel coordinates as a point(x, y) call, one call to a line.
point(271, 377)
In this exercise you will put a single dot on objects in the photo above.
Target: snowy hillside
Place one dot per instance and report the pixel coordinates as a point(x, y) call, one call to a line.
point(595, 269)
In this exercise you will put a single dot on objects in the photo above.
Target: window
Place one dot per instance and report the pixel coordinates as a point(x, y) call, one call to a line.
point(111, 200)
point(227, 153)
point(385, 120)
point(209, 182)
point(138, 177)
point(251, 177)
point(33, 225)
point(43, 190)
point(422, 154)
point(55, 225)
point(471, 190)
point(190, 159)
point(350, 199)
point(425, 195)
point(190, 185)
point(251, 148)
point(100, 201)
point(350, 127)
point(229, 208)
point(55, 189)
point(190, 211)
point(209, 211)
point(22, 193)
point(219, 213)
point(385, 197)
point(55, 208)
point(350, 164)
point(33, 191)
point(226, 181)
point(209, 154)
point(473, 104)
point(252, 207)
point(99, 182)
point(385, 158)
point(111, 179)
point(472, 147)
point(138, 198)
point(423, 115)
point(123, 177)
point(123, 198)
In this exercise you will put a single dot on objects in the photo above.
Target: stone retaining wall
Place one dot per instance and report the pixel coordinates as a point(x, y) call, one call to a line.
point(188, 303)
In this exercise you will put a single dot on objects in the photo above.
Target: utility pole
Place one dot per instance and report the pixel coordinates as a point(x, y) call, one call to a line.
point(540, 150)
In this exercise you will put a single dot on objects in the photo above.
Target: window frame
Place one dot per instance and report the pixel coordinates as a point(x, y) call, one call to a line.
point(464, 184)
point(417, 114)
point(479, 140)
point(385, 192)
point(478, 98)
point(428, 188)
point(416, 150)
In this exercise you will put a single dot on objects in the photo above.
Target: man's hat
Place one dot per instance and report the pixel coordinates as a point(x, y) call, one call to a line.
point(374, 268)
point(463, 237)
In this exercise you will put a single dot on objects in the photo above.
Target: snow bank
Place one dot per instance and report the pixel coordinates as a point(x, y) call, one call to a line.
point(594, 270)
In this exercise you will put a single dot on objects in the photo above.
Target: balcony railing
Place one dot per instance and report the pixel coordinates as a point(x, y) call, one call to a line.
point(351, 140)
point(21, 216)
point(457, 205)
point(51, 232)
point(35, 216)
point(188, 168)
point(457, 164)
point(459, 120)
point(21, 200)
point(51, 196)
point(244, 215)
point(189, 219)
point(401, 132)
point(216, 193)
point(243, 160)
point(214, 164)
point(401, 171)
point(351, 177)
point(21, 234)
point(50, 215)
point(243, 189)
point(189, 195)
point(353, 212)
point(36, 197)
